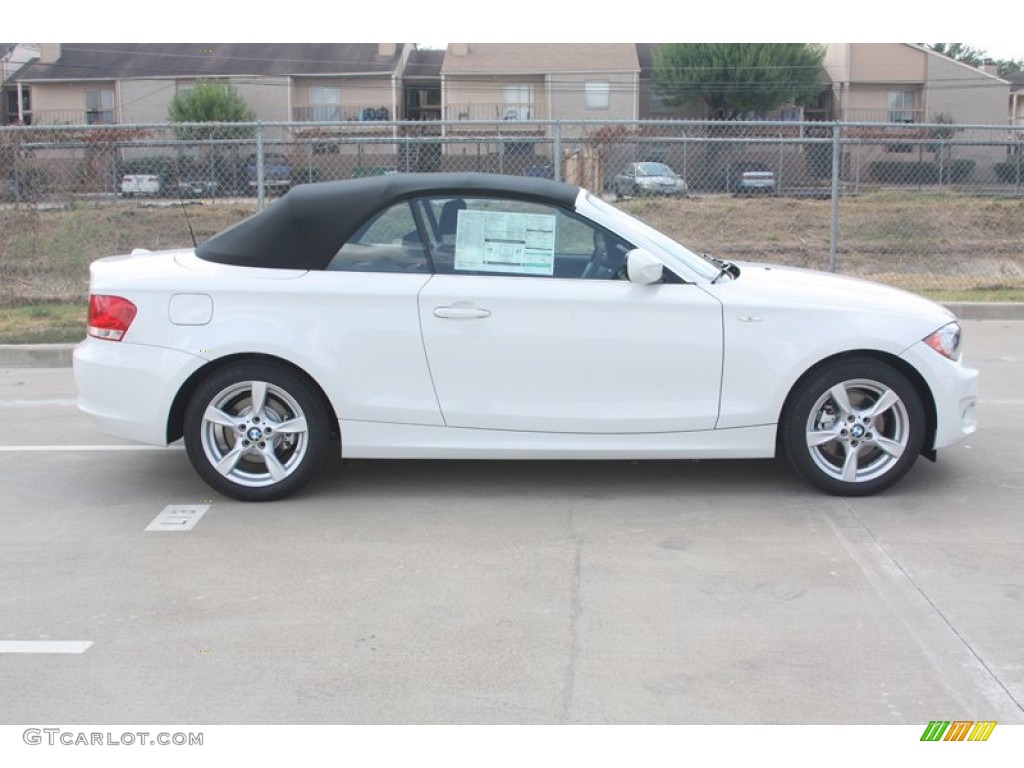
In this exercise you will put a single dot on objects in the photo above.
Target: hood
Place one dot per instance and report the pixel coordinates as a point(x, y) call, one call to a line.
point(825, 289)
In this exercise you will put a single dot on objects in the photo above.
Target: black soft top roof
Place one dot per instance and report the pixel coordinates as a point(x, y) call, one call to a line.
point(307, 227)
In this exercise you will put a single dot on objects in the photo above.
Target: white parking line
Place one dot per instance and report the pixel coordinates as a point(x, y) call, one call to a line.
point(52, 401)
point(20, 448)
point(44, 646)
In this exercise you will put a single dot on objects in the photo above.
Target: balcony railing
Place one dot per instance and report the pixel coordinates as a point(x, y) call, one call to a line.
point(69, 117)
point(884, 115)
point(334, 113)
point(493, 111)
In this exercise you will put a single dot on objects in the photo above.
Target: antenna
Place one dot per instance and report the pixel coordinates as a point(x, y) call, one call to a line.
point(188, 221)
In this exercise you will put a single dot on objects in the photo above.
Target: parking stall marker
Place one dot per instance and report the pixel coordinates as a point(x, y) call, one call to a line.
point(178, 517)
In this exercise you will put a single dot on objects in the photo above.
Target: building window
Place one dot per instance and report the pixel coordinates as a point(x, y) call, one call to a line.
point(99, 107)
point(11, 106)
point(518, 102)
point(325, 101)
point(901, 106)
point(597, 95)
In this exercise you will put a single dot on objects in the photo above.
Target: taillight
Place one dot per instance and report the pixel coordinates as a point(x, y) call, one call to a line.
point(109, 316)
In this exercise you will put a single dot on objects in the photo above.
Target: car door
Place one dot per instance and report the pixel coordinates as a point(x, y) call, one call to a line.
point(529, 324)
point(369, 327)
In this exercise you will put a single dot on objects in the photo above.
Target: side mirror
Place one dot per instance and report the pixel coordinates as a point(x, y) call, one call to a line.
point(643, 267)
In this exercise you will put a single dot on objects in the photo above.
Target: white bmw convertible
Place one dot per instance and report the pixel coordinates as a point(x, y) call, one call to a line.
point(475, 316)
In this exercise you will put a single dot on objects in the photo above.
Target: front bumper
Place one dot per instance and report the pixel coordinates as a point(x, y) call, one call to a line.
point(954, 388)
point(667, 190)
point(127, 389)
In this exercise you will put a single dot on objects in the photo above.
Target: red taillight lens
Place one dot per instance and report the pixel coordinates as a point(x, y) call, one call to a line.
point(109, 317)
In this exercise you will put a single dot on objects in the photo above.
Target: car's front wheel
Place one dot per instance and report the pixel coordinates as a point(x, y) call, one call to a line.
point(256, 431)
point(853, 428)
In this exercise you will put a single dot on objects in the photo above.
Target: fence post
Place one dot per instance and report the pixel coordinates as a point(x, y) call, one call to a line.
point(686, 173)
point(16, 146)
point(1016, 182)
point(211, 174)
point(556, 160)
point(833, 237)
point(943, 177)
point(778, 176)
point(260, 189)
point(856, 184)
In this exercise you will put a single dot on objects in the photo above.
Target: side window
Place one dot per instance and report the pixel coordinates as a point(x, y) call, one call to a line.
point(491, 236)
point(388, 242)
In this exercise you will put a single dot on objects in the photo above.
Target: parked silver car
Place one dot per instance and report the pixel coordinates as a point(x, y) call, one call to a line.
point(648, 178)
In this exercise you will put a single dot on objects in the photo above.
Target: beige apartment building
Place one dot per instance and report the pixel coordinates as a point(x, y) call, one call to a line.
point(892, 83)
point(909, 83)
point(98, 84)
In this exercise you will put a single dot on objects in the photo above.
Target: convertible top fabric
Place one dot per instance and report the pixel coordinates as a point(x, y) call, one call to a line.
point(309, 224)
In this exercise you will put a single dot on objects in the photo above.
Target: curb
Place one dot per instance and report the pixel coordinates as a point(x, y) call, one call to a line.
point(986, 310)
point(36, 355)
point(59, 355)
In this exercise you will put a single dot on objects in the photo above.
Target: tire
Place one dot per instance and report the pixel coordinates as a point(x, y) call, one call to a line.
point(853, 428)
point(262, 453)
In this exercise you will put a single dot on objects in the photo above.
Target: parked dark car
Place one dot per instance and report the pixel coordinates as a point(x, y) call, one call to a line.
point(751, 179)
point(542, 171)
point(277, 173)
point(8, 189)
point(28, 185)
point(198, 187)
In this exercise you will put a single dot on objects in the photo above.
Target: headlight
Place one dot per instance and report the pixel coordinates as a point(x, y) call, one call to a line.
point(946, 341)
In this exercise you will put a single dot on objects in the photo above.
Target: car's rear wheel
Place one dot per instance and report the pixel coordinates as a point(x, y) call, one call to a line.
point(256, 431)
point(854, 428)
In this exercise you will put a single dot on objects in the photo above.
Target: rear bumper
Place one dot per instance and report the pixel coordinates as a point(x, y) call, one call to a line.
point(127, 389)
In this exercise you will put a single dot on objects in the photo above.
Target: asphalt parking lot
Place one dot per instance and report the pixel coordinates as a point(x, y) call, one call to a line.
point(490, 592)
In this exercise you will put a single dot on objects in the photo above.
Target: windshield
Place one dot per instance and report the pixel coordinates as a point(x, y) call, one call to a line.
point(626, 225)
point(653, 169)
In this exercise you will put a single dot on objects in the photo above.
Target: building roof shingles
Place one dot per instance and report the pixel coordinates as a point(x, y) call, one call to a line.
point(541, 58)
point(109, 61)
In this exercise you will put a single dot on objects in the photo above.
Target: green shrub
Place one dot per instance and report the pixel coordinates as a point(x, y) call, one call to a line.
point(897, 172)
point(1010, 171)
point(920, 172)
point(958, 170)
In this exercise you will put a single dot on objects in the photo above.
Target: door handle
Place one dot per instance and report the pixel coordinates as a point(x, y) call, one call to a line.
point(461, 313)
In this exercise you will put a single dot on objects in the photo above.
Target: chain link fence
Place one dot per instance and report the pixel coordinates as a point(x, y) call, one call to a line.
point(935, 208)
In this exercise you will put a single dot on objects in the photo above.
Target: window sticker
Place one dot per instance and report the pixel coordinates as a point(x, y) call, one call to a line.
point(497, 241)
